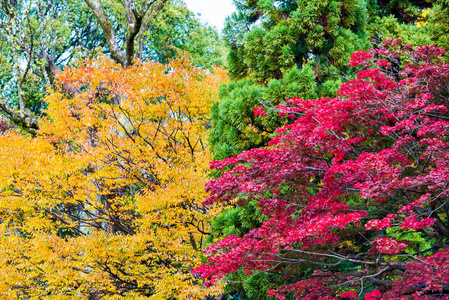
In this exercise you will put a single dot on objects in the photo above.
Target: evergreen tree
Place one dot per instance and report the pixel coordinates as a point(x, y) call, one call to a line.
point(405, 11)
point(291, 48)
point(439, 24)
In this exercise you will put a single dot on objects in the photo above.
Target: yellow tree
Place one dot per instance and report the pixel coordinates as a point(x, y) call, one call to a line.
point(105, 203)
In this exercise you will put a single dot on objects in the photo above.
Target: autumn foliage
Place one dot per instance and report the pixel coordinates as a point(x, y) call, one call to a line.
point(106, 200)
point(355, 188)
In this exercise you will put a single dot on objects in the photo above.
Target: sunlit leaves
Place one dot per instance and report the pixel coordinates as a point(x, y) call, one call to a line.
point(106, 200)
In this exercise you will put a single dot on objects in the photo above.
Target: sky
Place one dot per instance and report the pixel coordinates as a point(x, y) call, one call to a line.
point(213, 12)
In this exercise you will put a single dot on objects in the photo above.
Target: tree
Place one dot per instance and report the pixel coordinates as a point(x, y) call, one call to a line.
point(278, 50)
point(355, 190)
point(33, 40)
point(158, 30)
point(281, 49)
point(265, 34)
point(39, 38)
point(136, 15)
point(105, 202)
point(175, 30)
point(406, 11)
point(439, 26)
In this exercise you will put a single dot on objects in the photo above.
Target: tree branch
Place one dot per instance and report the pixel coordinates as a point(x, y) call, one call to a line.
point(25, 119)
point(106, 25)
point(135, 20)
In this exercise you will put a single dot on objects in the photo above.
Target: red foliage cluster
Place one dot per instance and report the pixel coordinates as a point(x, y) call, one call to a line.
point(347, 182)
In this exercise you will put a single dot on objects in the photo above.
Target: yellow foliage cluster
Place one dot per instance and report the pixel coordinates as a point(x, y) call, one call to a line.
point(105, 203)
point(423, 18)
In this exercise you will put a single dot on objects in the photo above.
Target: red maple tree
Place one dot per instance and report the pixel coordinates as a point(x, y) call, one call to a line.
point(355, 189)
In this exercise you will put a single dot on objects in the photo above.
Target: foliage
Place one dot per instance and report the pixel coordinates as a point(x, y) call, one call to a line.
point(355, 188)
point(438, 24)
point(176, 30)
point(406, 11)
point(235, 127)
point(290, 48)
point(36, 35)
point(106, 201)
point(279, 50)
point(390, 27)
point(38, 38)
point(285, 49)
point(168, 28)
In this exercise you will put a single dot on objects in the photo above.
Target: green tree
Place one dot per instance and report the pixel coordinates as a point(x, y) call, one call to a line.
point(35, 36)
point(291, 48)
point(281, 49)
point(405, 11)
point(40, 37)
point(176, 29)
point(439, 24)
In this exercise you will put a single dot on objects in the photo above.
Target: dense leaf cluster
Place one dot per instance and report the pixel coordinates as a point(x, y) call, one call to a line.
point(105, 202)
point(354, 190)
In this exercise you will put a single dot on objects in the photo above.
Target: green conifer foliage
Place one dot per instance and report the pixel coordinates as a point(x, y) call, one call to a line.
point(418, 23)
point(405, 11)
point(278, 50)
point(439, 23)
point(281, 49)
point(380, 28)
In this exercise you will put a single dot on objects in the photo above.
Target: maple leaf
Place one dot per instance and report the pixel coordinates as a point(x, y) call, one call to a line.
point(348, 168)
